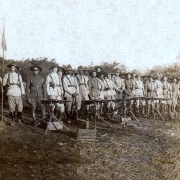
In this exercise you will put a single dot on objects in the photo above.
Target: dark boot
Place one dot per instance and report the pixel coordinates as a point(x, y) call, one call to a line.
point(60, 115)
point(35, 120)
point(19, 118)
point(12, 114)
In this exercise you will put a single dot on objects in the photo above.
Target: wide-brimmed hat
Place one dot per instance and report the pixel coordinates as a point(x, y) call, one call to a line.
point(117, 70)
point(61, 69)
point(54, 66)
point(122, 75)
point(157, 75)
point(98, 67)
point(150, 76)
point(80, 68)
point(134, 74)
point(91, 72)
point(35, 66)
point(138, 75)
point(10, 65)
point(69, 68)
point(100, 73)
point(127, 73)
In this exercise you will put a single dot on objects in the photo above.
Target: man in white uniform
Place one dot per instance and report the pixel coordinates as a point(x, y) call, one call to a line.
point(175, 93)
point(15, 92)
point(158, 89)
point(139, 92)
point(71, 91)
point(55, 90)
point(167, 93)
point(82, 82)
point(150, 88)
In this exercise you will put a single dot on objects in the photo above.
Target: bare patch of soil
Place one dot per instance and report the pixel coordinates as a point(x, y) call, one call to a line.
point(147, 151)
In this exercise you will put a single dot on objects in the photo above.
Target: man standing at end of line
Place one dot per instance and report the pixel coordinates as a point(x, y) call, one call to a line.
point(15, 92)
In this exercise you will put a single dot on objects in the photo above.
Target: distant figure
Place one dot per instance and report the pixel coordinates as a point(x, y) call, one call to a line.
point(175, 93)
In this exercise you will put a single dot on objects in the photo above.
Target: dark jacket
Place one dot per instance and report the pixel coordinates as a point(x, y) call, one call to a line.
point(93, 88)
point(36, 87)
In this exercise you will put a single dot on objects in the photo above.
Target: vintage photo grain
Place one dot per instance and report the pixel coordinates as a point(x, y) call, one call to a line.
point(89, 90)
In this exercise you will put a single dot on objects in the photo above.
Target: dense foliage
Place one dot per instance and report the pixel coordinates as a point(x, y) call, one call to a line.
point(172, 70)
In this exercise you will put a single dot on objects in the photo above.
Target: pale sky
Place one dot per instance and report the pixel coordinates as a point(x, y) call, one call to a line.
point(137, 33)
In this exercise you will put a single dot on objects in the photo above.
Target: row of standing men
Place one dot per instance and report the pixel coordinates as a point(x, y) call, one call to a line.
point(63, 84)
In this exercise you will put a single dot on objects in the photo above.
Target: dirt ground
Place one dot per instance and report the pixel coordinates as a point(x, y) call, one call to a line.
point(149, 151)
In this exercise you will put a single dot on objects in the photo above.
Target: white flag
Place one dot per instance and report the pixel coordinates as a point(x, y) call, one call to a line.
point(3, 43)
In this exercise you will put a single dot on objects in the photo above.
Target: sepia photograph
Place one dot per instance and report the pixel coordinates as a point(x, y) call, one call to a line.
point(89, 90)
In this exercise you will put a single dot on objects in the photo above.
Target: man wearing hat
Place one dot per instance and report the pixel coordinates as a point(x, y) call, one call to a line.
point(100, 78)
point(139, 92)
point(15, 92)
point(94, 90)
point(83, 86)
point(175, 93)
point(167, 93)
point(61, 72)
point(36, 91)
point(110, 87)
point(158, 89)
point(71, 91)
point(119, 83)
point(150, 89)
point(55, 90)
point(128, 91)
point(98, 69)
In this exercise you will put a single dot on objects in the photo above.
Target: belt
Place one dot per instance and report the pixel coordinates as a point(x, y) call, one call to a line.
point(14, 84)
point(82, 84)
point(71, 85)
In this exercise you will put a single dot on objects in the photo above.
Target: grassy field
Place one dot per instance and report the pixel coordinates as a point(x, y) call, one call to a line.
point(149, 151)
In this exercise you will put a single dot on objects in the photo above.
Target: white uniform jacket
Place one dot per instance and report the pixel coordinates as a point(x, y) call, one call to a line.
point(15, 84)
point(70, 85)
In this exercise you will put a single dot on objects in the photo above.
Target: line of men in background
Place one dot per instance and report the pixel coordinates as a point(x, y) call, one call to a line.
point(86, 85)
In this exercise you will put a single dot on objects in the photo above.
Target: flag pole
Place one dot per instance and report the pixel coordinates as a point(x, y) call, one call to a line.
point(2, 88)
point(4, 48)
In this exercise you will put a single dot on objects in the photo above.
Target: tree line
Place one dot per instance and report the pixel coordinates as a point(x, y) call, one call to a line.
point(170, 71)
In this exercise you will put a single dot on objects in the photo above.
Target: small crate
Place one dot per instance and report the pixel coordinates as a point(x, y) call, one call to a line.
point(82, 123)
point(86, 134)
point(52, 126)
point(127, 119)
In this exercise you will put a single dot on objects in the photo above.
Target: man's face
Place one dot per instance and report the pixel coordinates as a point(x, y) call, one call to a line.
point(81, 72)
point(69, 72)
point(150, 79)
point(60, 73)
point(94, 74)
point(109, 76)
point(102, 76)
point(13, 68)
point(55, 70)
point(165, 78)
point(174, 80)
point(128, 76)
point(36, 71)
point(98, 69)
point(117, 73)
point(138, 77)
